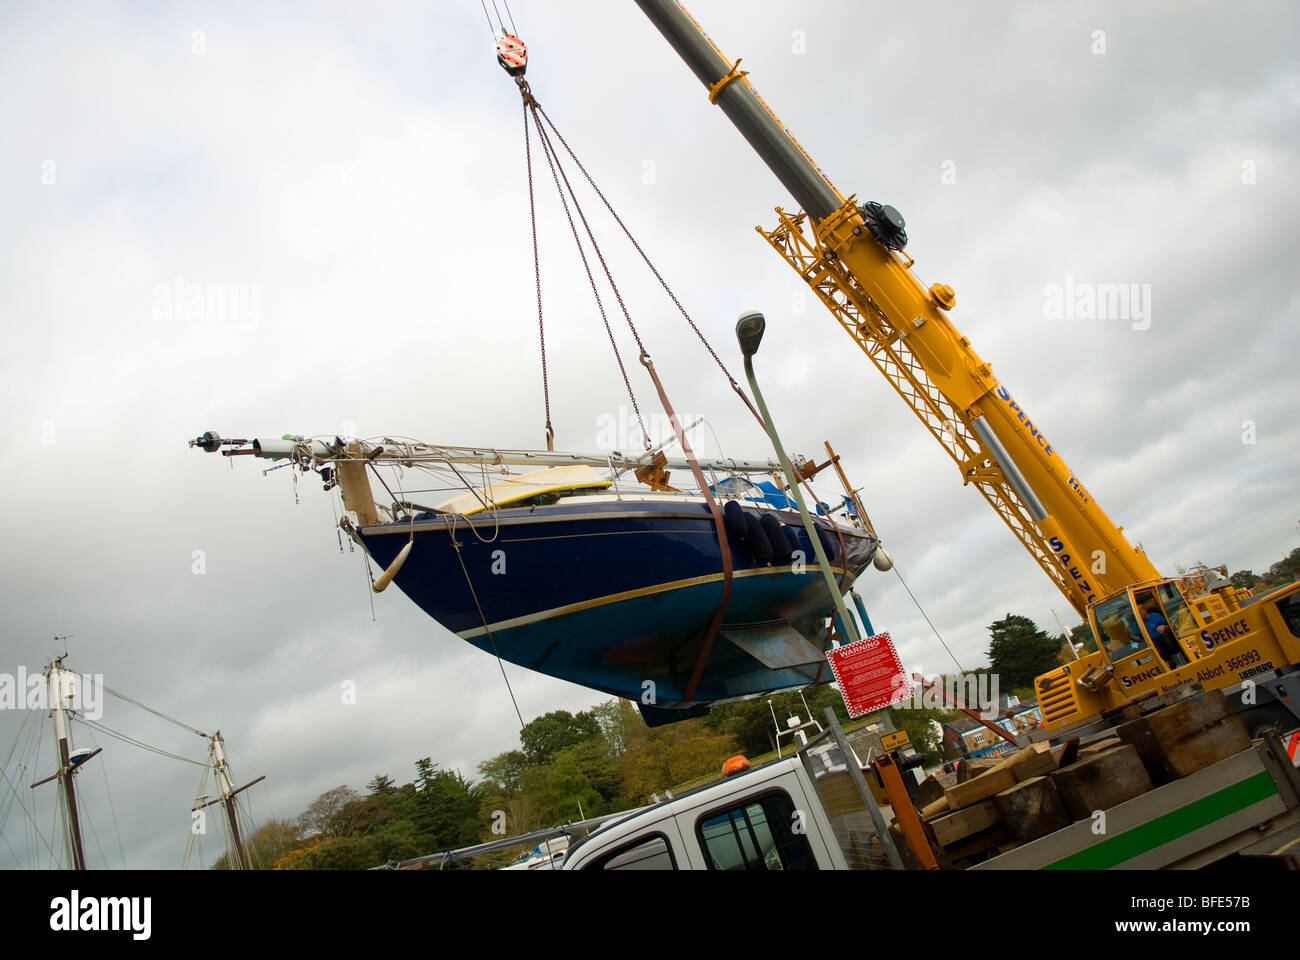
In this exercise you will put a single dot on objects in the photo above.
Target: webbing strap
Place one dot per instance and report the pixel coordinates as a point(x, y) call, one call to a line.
point(723, 546)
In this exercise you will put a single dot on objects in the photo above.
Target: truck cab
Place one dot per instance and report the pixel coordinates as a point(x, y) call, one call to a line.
point(765, 818)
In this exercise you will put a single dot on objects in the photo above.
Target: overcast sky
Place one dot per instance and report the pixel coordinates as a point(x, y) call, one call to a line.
point(356, 174)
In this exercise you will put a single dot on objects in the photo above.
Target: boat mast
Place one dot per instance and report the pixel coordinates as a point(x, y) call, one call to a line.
point(58, 689)
point(221, 768)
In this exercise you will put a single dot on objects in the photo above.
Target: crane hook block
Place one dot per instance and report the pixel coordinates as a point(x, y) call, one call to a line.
point(512, 54)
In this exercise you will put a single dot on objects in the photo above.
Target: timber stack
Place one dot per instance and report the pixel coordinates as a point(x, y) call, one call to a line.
point(998, 805)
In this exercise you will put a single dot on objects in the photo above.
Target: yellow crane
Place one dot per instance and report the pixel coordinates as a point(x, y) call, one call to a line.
point(1154, 634)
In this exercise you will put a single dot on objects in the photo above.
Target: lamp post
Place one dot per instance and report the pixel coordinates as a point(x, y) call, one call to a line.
point(749, 332)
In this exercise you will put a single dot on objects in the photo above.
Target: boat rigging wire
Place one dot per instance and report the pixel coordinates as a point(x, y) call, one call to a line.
point(646, 259)
point(149, 709)
point(96, 725)
point(486, 629)
point(19, 775)
point(926, 616)
point(552, 161)
point(537, 277)
point(103, 769)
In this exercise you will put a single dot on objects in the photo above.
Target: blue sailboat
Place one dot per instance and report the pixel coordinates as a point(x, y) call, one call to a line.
point(595, 579)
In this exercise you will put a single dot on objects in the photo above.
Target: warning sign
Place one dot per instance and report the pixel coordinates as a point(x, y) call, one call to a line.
point(869, 675)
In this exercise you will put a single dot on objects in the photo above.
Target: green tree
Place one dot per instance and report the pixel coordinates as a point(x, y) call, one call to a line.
point(919, 725)
point(447, 807)
point(1082, 633)
point(750, 721)
point(597, 763)
point(561, 792)
point(335, 853)
point(1244, 579)
point(552, 732)
point(505, 770)
point(1020, 651)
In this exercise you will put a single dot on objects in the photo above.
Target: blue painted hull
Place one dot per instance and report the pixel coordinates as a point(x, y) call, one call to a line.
point(616, 595)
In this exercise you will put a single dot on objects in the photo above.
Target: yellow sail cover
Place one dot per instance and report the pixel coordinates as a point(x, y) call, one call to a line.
point(508, 490)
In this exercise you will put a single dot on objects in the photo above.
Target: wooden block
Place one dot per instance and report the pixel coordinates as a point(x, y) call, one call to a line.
point(1032, 809)
point(928, 791)
point(970, 769)
point(981, 788)
point(1102, 781)
point(1008, 847)
point(994, 836)
point(962, 823)
point(1101, 746)
point(934, 809)
point(1069, 753)
point(1037, 765)
point(1186, 736)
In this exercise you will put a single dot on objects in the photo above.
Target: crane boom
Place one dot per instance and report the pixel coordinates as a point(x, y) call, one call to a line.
point(853, 258)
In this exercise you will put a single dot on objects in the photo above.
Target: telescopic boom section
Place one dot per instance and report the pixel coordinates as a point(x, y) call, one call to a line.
point(852, 256)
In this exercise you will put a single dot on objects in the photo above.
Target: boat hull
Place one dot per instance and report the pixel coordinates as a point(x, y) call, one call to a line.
point(618, 595)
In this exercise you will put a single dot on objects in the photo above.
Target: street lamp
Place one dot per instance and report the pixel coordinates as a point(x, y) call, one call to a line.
point(749, 333)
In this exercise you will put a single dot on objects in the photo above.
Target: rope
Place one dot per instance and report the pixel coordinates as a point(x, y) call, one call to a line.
point(131, 740)
point(552, 161)
point(491, 29)
point(123, 696)
point(631, 239)
point(724, 548)
point(927, 617)
point(103, 769)
point(469, 583)
point(537, 276)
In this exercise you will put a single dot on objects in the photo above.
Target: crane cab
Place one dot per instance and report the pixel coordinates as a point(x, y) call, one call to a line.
point(1145, 629)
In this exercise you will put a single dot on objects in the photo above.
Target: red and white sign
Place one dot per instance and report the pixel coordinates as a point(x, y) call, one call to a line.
point(869, 675)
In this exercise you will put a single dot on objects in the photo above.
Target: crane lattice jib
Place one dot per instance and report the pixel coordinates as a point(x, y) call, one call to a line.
point(855, 264)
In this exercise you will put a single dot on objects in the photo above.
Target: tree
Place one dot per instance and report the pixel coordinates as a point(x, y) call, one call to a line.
point(616, 719)
point(321, 816)
point(552, 732)
point(271, 841)
point(661, 758)
point(1020, 651)
point(1244, 579)
point(447, 808)
point(505, 770)
point(1285, 570)
point(598, 765)
point(381, 786)
point(919, 725)
point(1082, 633)
point(750, 721)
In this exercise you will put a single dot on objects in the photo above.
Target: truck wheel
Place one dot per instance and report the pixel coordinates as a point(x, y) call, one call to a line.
point(1259, 719)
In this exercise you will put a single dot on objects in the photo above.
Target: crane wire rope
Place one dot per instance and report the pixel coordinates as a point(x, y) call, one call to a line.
point(552, 162)
point(654, 270)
